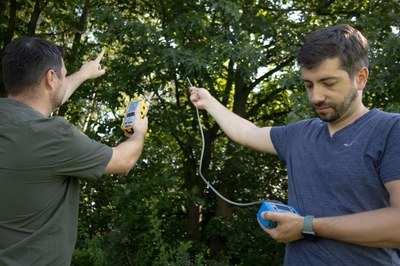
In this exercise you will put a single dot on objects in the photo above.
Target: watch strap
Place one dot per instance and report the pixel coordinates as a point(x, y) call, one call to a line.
point(308, 232)
point(307, 226)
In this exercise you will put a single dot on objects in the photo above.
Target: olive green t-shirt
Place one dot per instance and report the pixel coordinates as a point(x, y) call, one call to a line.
point(41, 161)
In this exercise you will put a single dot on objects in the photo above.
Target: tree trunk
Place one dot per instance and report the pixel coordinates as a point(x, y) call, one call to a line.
point(81, 27)
point(32, 24)
point(8, 37)
point(224, 209)
point(194, 210)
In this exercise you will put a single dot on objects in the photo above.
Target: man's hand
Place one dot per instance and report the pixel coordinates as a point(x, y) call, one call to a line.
point(89, 70)
point(199, 97)
point(140, 125)
point(289, 226)
point(93, 68)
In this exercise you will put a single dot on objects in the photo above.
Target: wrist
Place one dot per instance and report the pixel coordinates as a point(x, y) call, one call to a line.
point(138, 135)
point(308, 232)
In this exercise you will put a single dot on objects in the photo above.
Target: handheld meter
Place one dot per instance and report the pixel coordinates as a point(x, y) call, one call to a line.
point(273, 207)
point(127, 122)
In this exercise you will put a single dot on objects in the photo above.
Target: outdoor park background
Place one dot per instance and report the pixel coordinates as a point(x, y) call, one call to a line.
point(244, 52)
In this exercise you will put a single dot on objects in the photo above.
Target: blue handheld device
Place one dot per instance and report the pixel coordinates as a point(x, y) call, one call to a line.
point(273, 207)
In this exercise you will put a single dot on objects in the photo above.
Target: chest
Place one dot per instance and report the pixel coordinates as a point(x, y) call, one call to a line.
point(341, 172)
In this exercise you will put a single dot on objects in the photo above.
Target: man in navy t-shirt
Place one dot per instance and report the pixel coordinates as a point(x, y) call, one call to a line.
point(343, 167)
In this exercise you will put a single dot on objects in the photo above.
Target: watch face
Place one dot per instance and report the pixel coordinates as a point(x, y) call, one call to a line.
point(310, 237)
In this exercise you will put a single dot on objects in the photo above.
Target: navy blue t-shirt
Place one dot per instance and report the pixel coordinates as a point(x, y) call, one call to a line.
point(338, 175)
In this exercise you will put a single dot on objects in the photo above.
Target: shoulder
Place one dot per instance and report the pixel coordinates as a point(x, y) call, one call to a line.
point(54, 127)
point(378, 114)
point(383, 119)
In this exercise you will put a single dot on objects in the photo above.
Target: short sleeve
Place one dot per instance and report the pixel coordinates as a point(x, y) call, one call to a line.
point(79, 156)
point(279, 141)
point(389, 169)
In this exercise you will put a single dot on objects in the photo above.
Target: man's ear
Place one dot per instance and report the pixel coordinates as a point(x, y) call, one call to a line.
point(50, 78)
point(362, 78)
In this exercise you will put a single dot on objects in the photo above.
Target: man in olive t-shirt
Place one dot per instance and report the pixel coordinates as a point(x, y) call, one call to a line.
point(43, 157)
point(40, 160)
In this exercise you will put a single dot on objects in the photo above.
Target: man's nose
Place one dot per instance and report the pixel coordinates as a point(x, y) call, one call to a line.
point(316, 95)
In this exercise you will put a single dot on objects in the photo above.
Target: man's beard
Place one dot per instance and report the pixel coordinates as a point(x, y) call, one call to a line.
point(56, 101)
point(339, 109)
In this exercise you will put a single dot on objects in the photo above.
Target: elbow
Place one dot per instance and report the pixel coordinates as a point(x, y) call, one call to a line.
point(395, 241)
point(122, 167)
point(128, 168)
point(122, 170)
point(123, 159)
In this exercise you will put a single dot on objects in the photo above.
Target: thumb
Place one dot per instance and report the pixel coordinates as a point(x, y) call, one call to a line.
point(271, 216)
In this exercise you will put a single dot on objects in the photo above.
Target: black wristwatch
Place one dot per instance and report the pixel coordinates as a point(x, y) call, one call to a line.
point(308, 233)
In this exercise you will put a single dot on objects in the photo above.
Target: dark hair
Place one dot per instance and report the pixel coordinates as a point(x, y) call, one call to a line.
point(26, 60)
point(341, 41)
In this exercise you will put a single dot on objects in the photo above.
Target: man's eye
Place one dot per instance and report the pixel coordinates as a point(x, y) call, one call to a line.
point(308, 86)
point(329, 84)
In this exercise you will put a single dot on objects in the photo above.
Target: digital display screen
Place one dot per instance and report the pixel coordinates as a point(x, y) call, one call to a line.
point(132, 106)
point(284, 208)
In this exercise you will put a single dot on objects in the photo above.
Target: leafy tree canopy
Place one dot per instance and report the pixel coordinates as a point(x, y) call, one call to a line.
point(244, 52)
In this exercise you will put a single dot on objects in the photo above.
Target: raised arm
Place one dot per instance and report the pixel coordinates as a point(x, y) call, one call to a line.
point(235, 127)
point(127, 153)
point(89, 70)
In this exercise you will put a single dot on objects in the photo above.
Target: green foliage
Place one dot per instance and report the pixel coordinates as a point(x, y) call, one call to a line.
point(244, 52)
point(90, 253)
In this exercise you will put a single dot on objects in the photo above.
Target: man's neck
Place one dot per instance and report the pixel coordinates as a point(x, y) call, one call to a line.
point(346, 121)
point(33, 102)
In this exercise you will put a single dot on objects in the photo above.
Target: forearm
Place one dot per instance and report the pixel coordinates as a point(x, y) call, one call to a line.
point(234, 126)
point(126, 154)
point(72, 83)
point(378, 228)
